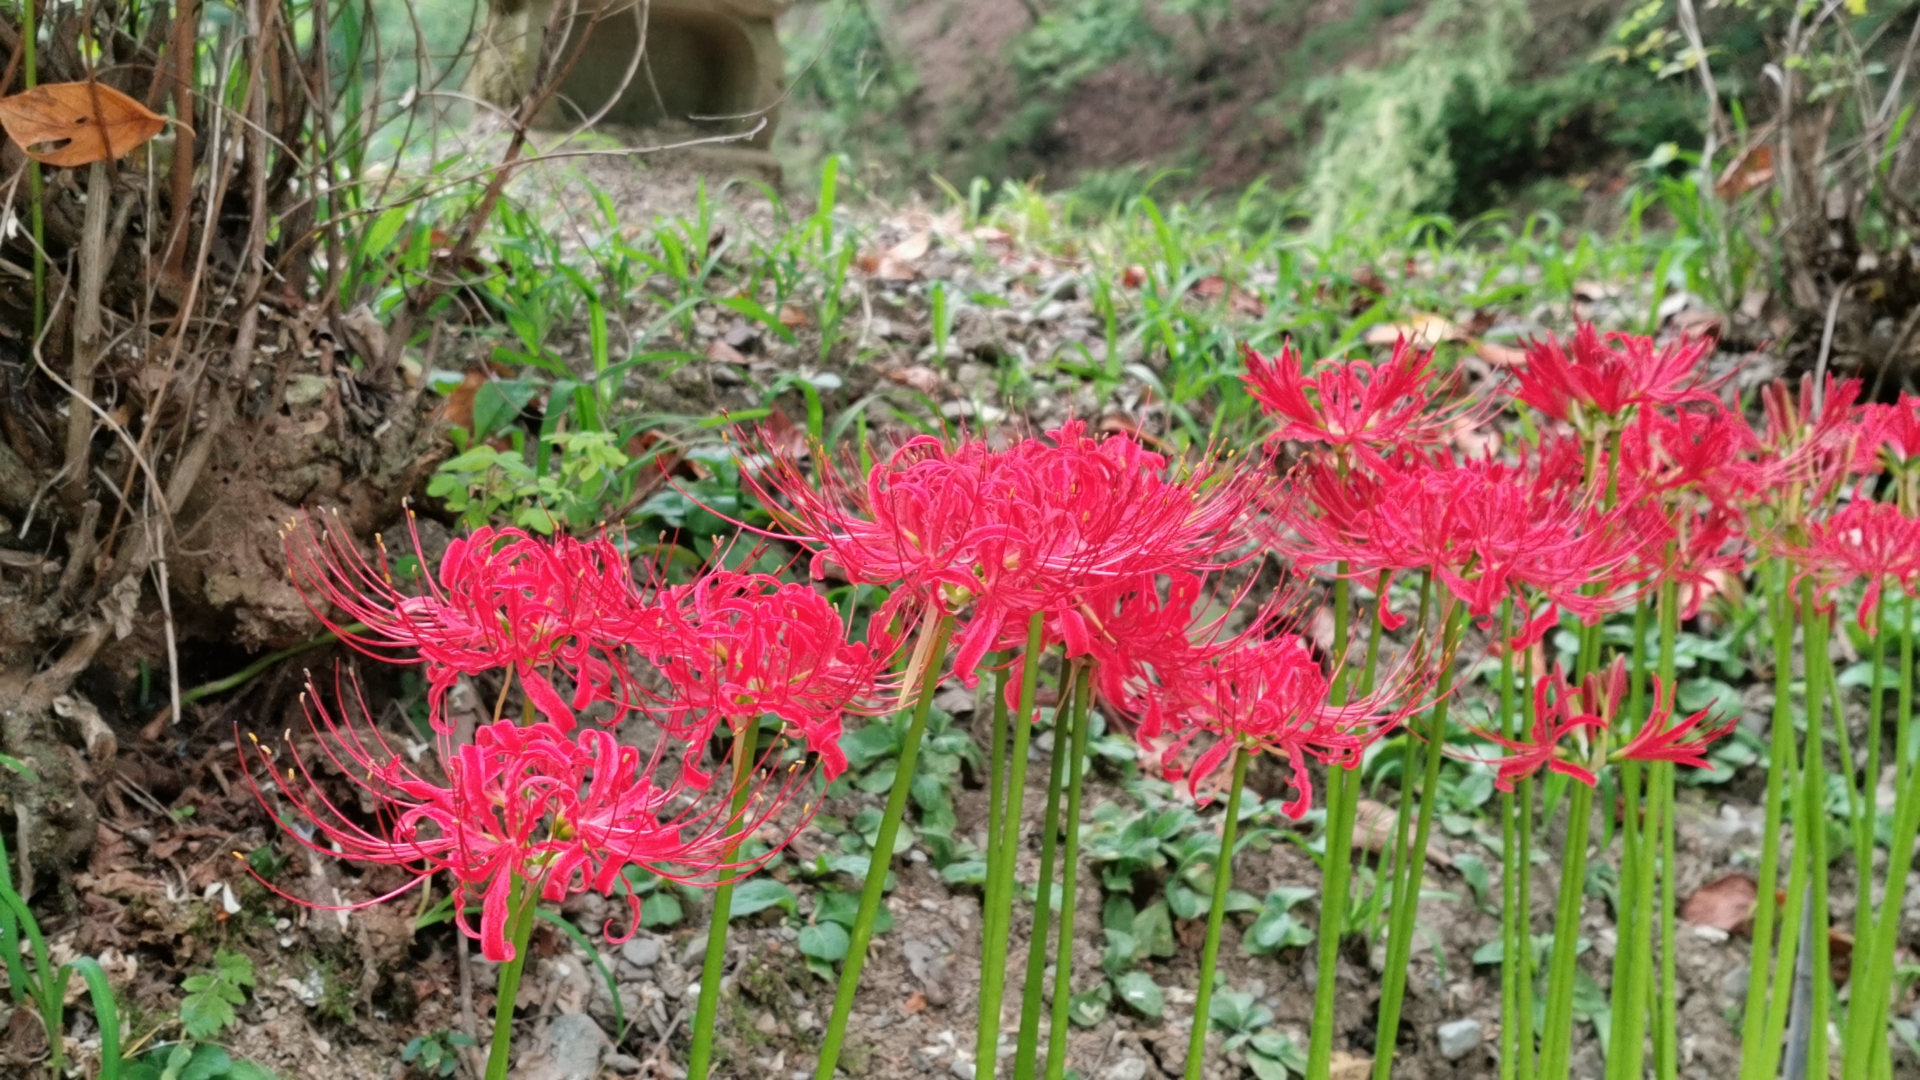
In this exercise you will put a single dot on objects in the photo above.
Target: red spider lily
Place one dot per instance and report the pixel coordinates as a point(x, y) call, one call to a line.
point(564, 813)
point(1140, 640)
point(1353, 405)
point(1695, 545)
point(1662, 739)
point(1707, 449)
point(1483, 527)
point(1862, 541)
point(1811, 440)
point(1270, 695)
point(502, 599)
point(738, 646)
point(1558, 712)
point(1894, 429)
point(999, 536)
point(1607, 376)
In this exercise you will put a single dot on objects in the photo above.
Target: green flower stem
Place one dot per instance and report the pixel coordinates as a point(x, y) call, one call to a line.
point(1343, 796)
point(1866, 1041)
point(1814, 774)
point(1027, 1051)
point(1865, 1044)
point(701, 1056)
point(1524, 797)
point(1210, 953)
point(870, 892)
point(1392, 879)
point(1629, 1013)
point(1514, 943)
point(1069, 875)
point(1406, 900)
point(1754, 1055)
point(999, 916)
point(1666, 1032)
point(522, 900)
point(996, 815)
point(1557, 1038)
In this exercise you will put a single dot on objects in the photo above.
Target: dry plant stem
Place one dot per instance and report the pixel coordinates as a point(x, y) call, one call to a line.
point(1210, 951)
point(184, 52)
point(1069, 876)
point(998, 919)
point(89, 333)
point(924, 674)
point(1406, 900)
point(701, 1056)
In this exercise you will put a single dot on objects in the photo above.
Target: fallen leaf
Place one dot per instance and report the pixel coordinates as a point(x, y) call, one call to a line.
point(459, 407)
point(1725, 903)
point(1746, 172)
point(916, 1003)
point(1133, 277)
point(1422, 330)
point(1239, 300)
point(793, 318)
point(77, 123)
point(1372, 826)
point(1499, 355)
point(722, 353)
point(1347, 1066)
point(917, 377)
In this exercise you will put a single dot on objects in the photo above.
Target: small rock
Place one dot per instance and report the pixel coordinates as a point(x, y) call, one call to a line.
point(806, 1020)
point(696, 948)
point(1458, 1037)
point(961, 1070)
point(621, 1063)
point(641, 952)
point(571, 1050)
point(766, 1024)
point(1131, 1068)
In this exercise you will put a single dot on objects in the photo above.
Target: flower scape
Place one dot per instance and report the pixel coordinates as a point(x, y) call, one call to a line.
point(1175, 600)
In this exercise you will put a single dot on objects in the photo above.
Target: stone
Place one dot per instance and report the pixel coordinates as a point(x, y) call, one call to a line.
point(571, 1049)
point(766, 1023)
point(1458, 1038)
point(961, 1070)
point(1130, 1068)
point(641, 951)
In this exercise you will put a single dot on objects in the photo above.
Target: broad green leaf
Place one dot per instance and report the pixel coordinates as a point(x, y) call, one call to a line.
point(1141, 994)
point(1153, 931)
point(824, 941)
point(759, 894)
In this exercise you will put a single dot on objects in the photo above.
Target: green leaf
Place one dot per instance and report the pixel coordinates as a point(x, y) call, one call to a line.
point(1277, 1047)
point(1185, 903)
point(1089, 1008)
point(498, 403)
point(662, 909)
point(1117, 913)
point(1119, 952)
point(1493, 952)
point(866, 745)
point(1153, 931)
point(966, 872)
point(1266, 1068)
point(208, 1006)
point(207, 1063)
point(759, 894)
point(1141, 994)
point(824, 941)
point(1474, 870)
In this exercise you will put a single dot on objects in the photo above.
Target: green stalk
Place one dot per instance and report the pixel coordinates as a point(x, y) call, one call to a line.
point(999, 919)
point(1903, 700)
point(1027, 1051)
point(1865, 1052)
point(1513, 944)
point(1406, 901)
point(522, 901)
point(1625, 1043)
point(1210, 953)
point(870, 891)
point(996, 814)
point(1666, 1032)
point(1069, 878)
point(1393, 879)
point(1557, 1046)
point(701, 1056)
point(1815, 774)
point(1343, 797)
point(1525, 802)
point(1754, 1056)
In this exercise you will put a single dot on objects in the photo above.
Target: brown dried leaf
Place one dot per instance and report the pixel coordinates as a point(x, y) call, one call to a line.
point(1725, 903)
point(1423, 330)
point(1748, 171)
point(1500, 355)
point(77, 123)
point(1347, 1066)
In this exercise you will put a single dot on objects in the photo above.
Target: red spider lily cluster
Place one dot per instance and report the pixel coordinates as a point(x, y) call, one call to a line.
point(568, 803)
